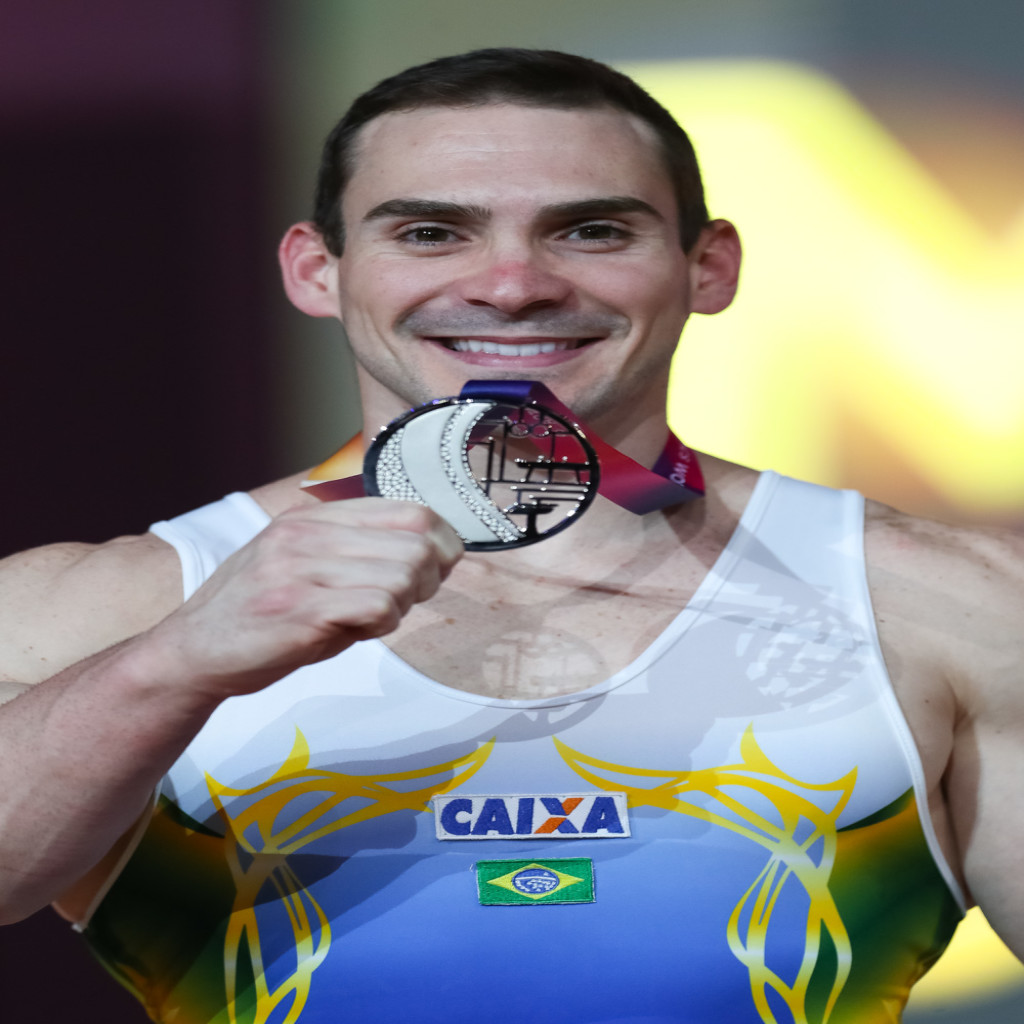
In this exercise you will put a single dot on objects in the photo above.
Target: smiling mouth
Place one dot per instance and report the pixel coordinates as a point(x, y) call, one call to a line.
point(513, 348)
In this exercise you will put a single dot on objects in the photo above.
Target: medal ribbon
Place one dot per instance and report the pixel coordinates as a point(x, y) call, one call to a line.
point(675, 478)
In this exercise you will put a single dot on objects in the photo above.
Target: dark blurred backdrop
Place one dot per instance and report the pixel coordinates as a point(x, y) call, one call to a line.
point(136, 258)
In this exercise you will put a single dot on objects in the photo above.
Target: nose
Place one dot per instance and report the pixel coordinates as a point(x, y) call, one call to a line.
point(513, 283)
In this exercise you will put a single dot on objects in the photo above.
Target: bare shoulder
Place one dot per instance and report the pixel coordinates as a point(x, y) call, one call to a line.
point(958, 591)
point(934, 545)
point(63, 602)
point(950, 608)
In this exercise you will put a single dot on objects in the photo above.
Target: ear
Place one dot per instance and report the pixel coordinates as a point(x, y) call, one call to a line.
point(309, 271)
point(715, 267)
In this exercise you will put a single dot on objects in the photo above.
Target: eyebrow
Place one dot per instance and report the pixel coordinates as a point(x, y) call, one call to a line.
point(437, 209)
point(600, 206)
point(430, 209)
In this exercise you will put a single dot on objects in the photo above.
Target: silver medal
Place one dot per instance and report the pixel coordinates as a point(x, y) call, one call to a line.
point(502, 473)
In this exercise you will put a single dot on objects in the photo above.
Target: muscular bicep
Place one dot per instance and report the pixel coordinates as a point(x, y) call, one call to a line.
point(985, 781)
point(987, 808)
point(950, 609)
point(62, 603)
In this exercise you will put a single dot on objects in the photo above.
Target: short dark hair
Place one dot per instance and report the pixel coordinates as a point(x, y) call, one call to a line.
point(535, 78)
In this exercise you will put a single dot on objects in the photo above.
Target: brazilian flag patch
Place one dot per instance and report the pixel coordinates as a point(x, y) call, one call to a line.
point(504, 883)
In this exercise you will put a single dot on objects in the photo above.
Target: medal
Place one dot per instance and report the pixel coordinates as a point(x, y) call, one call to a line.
point(502, 474)
point(507, 464)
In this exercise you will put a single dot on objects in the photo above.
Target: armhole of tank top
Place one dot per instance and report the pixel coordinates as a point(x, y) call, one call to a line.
point(188, 556)
point(853, 515)
point(191, 577)
point(195, 570)
point(119, 865)
point(198, 563)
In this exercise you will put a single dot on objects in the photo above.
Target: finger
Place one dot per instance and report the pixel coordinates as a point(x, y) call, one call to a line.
point(383, 512)
point(375, 520)
point(449, 544)
point(408, 582)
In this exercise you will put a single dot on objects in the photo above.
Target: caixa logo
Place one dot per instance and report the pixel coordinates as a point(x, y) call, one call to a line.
point(533, 816)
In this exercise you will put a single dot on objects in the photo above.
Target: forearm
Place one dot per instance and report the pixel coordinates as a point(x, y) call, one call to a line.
point(81, 753)
point(80, 756)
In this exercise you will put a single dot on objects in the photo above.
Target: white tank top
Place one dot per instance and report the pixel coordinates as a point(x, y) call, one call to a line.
point(731, 828)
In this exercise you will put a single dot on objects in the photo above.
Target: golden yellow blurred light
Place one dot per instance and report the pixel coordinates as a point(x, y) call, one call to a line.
point(976, 962)
point(877, 338)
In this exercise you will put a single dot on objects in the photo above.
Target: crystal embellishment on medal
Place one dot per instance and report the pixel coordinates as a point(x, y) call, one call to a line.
point(503, 473)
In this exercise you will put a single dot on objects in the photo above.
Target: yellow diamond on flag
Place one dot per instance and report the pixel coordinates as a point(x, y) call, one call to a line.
point(535, 881)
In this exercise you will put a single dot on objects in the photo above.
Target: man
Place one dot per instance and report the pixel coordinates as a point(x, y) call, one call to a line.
point(653, 768)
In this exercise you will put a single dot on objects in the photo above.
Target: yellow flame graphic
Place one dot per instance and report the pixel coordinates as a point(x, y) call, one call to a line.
point(261, 845)
point(707, 794)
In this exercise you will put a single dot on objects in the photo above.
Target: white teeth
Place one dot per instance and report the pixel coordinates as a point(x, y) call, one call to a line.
point(494, 348)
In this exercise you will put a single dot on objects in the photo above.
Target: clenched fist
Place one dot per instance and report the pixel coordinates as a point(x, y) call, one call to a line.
point(316, 580)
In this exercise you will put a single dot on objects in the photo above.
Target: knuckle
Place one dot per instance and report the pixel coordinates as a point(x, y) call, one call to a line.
point(400, 581)
point(275, 601)
point(420, 553)
point(282, 535)
point(381, 613)
point(414, 517)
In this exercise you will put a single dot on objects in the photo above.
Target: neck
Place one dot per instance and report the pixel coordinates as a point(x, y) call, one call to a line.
point(608, 536)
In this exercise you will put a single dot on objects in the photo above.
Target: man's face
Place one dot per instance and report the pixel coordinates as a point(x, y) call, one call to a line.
point(513, 242)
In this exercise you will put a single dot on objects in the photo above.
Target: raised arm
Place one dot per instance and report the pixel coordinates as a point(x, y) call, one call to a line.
point(81, 751)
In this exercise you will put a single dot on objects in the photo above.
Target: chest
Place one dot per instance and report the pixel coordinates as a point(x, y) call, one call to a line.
point(737, 797)
point(522, 636)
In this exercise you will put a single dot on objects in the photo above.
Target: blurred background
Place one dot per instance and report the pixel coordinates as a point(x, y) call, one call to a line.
point(871, 153)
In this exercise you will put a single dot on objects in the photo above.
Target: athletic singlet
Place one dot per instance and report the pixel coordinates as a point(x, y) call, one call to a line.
point(727, 830)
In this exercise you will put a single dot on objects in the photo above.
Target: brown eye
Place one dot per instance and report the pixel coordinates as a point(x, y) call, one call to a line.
point(428, 235)
point(596, 233)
